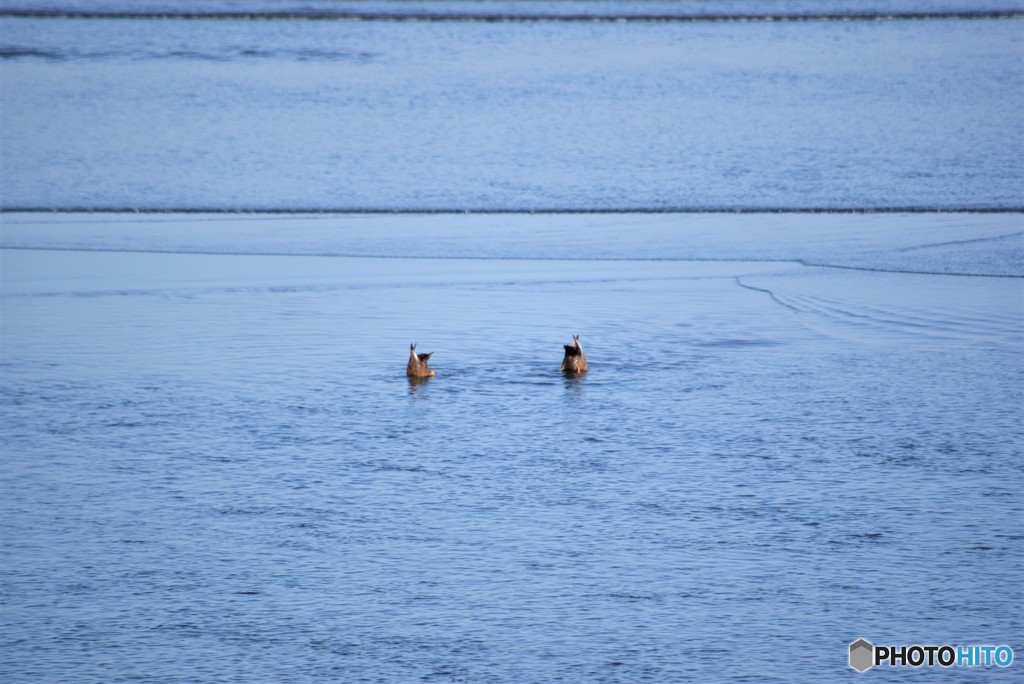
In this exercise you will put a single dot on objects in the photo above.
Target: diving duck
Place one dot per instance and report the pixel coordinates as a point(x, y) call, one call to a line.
point(574, 361)
point(417, 367)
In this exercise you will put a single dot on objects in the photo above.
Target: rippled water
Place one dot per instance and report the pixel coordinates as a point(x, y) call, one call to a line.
point(343, 115)
point(215, 470)
point(797, 429)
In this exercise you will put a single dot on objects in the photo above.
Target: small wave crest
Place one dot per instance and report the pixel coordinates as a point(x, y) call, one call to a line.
point(15, 52)
point(227, 54)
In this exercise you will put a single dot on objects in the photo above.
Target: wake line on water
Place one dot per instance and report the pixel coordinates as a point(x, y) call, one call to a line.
point(955, 243)
point(907, 320)
point(768, 292)
point(421, 257)
point(507, 18)
point(879, 269)
point(355, 255)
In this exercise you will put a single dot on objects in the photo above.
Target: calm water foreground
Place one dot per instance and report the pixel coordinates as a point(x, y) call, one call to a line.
point(214, 468)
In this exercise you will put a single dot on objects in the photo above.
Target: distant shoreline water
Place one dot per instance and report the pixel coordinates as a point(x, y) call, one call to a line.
point(491, 118)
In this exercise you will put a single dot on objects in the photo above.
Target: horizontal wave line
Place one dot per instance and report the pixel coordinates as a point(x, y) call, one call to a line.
point(427, 257)
point(358, 255)
point(506, 18)
point(906, 209)
point(956, 243)
point(906, 271)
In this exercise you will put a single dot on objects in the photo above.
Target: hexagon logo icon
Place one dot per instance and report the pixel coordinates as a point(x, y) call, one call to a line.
point(862, 655)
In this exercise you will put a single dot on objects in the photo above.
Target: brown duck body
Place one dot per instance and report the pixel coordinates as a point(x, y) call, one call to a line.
point(417, 367)
point(574, 360)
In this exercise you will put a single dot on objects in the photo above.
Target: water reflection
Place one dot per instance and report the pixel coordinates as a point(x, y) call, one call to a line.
point(574, 384)
point(415, 390)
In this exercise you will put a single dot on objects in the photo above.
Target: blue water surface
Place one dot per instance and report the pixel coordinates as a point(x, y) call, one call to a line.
point(215, 469)
point(797, 429)
point(469, 115)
